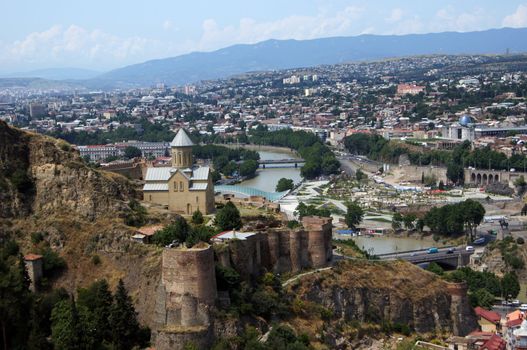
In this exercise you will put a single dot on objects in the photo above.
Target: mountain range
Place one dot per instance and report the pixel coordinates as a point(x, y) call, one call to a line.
point(284, 54)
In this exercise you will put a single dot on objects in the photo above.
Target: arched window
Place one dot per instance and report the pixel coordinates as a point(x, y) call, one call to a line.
point(197, 199)
point(179, 157)
point(181, 186)
point(175, 186)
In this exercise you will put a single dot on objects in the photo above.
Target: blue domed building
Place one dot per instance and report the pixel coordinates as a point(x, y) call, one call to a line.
point(465, 120)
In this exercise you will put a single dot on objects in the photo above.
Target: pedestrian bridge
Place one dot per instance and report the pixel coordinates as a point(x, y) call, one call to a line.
point(250, 191)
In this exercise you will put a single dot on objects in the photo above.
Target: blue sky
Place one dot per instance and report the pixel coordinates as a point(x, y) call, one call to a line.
point(107, 34)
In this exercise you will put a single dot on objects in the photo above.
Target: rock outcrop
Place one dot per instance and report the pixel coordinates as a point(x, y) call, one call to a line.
point(393, 292)
point(44, 176)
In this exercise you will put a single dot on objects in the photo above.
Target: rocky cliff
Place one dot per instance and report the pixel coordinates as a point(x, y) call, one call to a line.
point(396, 293)
point(44, 176)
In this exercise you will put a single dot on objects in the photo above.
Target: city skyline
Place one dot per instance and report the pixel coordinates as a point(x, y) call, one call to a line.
point(102, 36)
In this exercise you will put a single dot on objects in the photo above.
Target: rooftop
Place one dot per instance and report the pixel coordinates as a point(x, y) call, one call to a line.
point(181, 139)
point(228, 235)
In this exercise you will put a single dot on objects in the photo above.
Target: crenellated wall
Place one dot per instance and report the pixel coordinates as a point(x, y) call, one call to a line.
point(280, 250)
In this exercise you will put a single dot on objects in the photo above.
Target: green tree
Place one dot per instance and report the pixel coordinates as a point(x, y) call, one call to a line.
point(354, 215)
point(409, 220)
point(98, 299)
point(397, 220)
point(197, 218)
point(284, 185)
point(482, 297)
point(248, 168)
point(420, 225)
point(435, 268)
point(228, 217)
point(126, 332)
point(131, 152)
point(472, 214)
point(15, 297)
point(310, 210)
point(455, 173)
point(510, 286)
point(72, 328)
point(178, 231)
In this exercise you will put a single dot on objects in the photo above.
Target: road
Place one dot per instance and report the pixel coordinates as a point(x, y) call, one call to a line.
point(420, 255)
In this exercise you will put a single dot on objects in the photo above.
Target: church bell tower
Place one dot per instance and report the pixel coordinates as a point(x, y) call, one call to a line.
point(181, 147)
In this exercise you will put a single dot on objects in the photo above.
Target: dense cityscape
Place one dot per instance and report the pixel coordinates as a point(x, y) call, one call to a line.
point(373, 198)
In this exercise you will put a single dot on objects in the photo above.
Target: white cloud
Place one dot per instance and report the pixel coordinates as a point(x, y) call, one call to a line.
point(79, 47)
point(248, 30)
point(395, 16)
point(448, 19)
point(517, 19)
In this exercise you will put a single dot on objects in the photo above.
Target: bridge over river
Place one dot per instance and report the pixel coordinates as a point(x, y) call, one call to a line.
point(446, 257)
point(250, 191)
point(283, 163)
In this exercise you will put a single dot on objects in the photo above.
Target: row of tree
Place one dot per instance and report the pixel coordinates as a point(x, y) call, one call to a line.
point(319, 158)
point(229, 161)
point(179, 231)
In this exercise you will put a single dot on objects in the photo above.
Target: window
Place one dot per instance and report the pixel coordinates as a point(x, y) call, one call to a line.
point(150, 197)
point(181, 186)
point(175, 186)
point(197, 199)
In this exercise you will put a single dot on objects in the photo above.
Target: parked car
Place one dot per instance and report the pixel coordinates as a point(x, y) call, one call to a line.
point(451, 250)
point(432, 250)
point(523, 307)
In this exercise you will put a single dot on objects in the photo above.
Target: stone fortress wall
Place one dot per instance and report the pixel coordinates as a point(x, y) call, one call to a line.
point(280, 250)
point(187, 292)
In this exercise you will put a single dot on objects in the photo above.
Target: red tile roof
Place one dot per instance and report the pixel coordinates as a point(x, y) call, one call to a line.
point(31, 257)
point(514, 323)
point(490, 316)
point(494, 343)
point(150, 230)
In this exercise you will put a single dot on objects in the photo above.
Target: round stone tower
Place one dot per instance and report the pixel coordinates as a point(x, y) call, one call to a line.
point(319, 239)
point(181, 147)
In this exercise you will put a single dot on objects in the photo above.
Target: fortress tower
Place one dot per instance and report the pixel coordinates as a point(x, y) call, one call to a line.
point(319, 239)
point(186, 294)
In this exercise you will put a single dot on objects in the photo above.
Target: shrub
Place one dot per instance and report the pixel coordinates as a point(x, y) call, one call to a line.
point(136, 215)
point(37, 237)
point(96, 260)
point(520, 240)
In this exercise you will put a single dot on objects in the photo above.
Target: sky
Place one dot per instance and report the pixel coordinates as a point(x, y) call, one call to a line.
point(107, 34)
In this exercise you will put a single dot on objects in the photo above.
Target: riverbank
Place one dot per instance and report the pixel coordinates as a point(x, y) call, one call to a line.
point(264, 148)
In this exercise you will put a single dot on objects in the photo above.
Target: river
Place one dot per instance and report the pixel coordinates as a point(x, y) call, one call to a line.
point(389, 244)
point(266, 179)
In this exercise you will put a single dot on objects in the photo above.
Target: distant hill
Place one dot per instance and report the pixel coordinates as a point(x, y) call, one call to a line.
point(283, 54)
point(39, 83)
point(56, 74)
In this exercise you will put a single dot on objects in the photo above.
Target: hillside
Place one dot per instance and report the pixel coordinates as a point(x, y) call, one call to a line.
point(393, 295)
point(283, 54)
point(40, 176)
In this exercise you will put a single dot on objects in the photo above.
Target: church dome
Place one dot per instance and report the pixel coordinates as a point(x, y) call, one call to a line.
point(465, 120)
point(181, 139)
